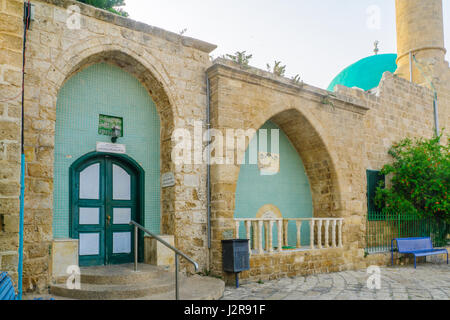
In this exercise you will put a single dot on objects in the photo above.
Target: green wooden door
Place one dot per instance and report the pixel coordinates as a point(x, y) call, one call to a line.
point(105, 198)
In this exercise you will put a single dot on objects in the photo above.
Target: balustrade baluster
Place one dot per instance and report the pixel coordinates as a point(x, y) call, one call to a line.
point(270, 236)
point(298, 224)
point(248, 232)
point(280, 235)
point(266, 235)
point(333, 234)
point(260, 242)
point(319, 234)
point(255, 236)
point(285, 233)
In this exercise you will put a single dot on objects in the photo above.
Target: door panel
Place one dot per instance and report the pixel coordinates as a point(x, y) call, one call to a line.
point(89, 244)
point(89, 216)
point(121, 183)
point(90, 182)
point(121, 216)
point(121, 243)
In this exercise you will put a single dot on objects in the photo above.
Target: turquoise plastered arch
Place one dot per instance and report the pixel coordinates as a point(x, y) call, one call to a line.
point(365, 73)
point(105, 89)
point(289, 190)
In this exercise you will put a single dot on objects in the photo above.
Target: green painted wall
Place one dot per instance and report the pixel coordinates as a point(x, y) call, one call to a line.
point(289, 190)
point(105, 89)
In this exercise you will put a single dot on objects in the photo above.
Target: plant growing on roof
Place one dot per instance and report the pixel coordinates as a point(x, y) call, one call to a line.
point(277, 68)
point(296, 79)
point(109, 5)
point(326, 100)
point(240, 57)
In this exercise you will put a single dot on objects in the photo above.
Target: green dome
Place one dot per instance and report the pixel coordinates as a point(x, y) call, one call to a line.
point(366, 73)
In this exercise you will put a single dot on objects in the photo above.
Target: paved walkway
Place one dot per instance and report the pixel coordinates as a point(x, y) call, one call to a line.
point(430, 281)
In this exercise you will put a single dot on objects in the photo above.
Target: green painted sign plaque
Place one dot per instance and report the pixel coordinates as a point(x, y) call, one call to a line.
point(107, 123)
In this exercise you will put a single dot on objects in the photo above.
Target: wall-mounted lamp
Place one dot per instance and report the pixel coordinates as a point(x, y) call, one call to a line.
point(115, 134)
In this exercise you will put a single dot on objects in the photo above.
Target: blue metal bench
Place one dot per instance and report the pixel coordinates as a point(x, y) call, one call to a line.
point(419, 247)
point(6, 287)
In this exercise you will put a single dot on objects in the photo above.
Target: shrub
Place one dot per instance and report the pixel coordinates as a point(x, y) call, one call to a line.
point(420, 179)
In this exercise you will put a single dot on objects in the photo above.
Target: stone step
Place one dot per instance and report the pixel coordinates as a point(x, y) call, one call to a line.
point(114, 291)
point(121, 274)
point(194, 288)
point(120, 282)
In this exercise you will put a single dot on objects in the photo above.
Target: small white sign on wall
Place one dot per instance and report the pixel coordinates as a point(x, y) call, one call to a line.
point(167, 180)
point(268, 163)
point(111, 148)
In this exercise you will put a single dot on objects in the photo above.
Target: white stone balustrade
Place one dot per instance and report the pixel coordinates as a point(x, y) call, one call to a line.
point(324, 233)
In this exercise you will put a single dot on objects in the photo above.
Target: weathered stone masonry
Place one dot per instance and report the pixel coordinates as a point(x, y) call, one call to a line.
point(338, 135)
point(171, 67)
point(11, 30)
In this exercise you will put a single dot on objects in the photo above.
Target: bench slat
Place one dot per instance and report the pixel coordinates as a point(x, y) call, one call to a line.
point(5, 292)
point(429, 253)
point(6, 287)
point(414, 244)
point(8, 296)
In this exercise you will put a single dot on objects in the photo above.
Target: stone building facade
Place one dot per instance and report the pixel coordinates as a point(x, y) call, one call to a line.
point(338, 135)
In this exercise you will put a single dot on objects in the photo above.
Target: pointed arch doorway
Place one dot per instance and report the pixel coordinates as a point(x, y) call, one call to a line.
point(106, 193)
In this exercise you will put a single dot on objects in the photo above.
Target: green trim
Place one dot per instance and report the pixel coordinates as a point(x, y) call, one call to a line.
point(374, 177)
point(105, 203)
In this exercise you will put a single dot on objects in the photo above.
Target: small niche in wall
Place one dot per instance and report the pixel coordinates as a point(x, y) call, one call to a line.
point(2, 223)
point(107, 123)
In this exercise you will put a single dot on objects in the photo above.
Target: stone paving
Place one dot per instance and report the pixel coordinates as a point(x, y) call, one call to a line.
point(430, 281)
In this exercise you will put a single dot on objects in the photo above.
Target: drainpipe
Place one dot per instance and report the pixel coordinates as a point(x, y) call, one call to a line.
point(208, 159)
point(410, 67)
point(27, 15)
point(436, 114)
point(435, 97)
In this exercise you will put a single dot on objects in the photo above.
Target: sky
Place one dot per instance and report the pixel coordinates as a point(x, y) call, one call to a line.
point(313, 38)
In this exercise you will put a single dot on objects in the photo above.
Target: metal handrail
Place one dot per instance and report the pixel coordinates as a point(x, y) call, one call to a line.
point(177, 252)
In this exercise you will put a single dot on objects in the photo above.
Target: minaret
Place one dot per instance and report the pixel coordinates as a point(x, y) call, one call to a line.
point(420, 31)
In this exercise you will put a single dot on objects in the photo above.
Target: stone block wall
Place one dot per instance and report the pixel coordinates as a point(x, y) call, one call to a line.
point(11, 41)
point(170, 66)
point(326, 131)
point(338, 136)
